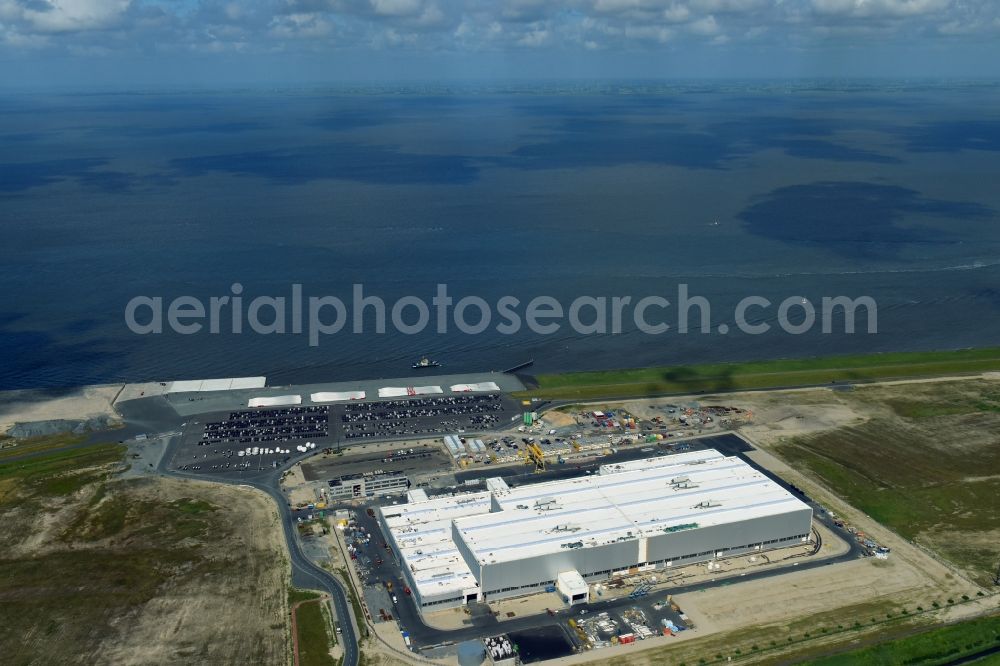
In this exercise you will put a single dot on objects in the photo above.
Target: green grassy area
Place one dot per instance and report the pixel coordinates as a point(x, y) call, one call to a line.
point(759, 375)
point(929, 469)
point(314, 632)
point(59, 474)
point(929, 648)
point(12, 448)
point(296, 595)
point(355, 604)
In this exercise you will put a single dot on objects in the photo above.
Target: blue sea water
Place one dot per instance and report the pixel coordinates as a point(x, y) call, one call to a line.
point(627, 189)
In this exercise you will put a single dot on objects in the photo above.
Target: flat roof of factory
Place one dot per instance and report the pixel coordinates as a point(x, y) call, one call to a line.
point(625, 501)
point(422, 533)
point(643, 499)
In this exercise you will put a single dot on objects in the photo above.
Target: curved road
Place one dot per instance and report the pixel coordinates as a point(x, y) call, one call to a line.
point(305, 573)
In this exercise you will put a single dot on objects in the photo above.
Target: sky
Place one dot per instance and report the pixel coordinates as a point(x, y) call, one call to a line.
point(108, 43)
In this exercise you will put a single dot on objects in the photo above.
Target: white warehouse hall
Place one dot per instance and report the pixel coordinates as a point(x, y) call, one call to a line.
point(635, 516)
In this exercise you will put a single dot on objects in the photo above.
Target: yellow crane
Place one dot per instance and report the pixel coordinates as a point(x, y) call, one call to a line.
point(538, 456)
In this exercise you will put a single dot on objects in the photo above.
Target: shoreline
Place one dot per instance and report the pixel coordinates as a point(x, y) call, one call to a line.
point(85, 404)
point(843, 370)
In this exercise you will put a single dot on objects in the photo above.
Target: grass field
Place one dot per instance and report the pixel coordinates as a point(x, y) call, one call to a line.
point(295, 594)
point(926, 465)
point(314, 633)
point(345, 577)
point(59, 474)
point(929, 648)
point(642, 382)
point(12, 448)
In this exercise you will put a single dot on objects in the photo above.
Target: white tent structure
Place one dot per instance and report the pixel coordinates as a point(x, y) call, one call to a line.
point(481, 387)
point(275, 401)
point(337, 396)
point(229, 384)
point(408, 391)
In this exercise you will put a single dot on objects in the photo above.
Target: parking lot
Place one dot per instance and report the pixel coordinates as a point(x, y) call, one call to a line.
point(422, 416)
point(212, 443)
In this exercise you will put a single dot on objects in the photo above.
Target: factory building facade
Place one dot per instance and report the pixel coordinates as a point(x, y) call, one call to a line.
point(643, 515)
point(367, 484)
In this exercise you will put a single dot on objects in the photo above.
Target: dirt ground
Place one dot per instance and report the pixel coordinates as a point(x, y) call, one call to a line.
point(245, 602)
point(559, 419)
point(921, 458)
point(144, 571)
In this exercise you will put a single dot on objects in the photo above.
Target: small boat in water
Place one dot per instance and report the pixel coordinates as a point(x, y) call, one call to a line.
point(425, 363)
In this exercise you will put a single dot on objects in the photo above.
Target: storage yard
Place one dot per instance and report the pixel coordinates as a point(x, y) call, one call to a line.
point(248, 441)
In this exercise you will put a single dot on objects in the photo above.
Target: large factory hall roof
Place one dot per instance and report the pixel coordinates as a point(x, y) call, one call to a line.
point(644, 499)
point(422, 533)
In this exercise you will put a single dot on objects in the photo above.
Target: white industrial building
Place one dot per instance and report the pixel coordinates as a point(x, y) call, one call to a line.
point(636, 516)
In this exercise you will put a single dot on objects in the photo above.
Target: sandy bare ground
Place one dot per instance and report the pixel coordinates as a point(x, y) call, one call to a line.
point(77, 404)
point(224, 600)
point(241, 613)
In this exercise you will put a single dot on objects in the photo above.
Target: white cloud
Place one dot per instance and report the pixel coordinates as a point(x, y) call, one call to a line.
point(649, 32)
point(300, 26)
point(534, 38)
point(51, 16)
point(397, 7)
point(721, 6)
point(879, 8)
point(704, 26)
point(14, 39)
point(676, 13)
point(479, 25)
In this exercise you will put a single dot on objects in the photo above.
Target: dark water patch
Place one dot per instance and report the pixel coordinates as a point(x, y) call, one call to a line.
point(541, 644)
point(225, 127)
point(621, 128)
point(32, 358)
point(78, 326)
point(768, 128)
point(598, 105)
point(852, 217)
point(826, 150)
point(21, 137)
point(147, 102)
point(954, 136)
point(694, 150)
point(17, 177)
point(8, 318)
point(787, 133)
point(599, 141)
point(343, 161)
point(107, 181)
point(343, 121)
